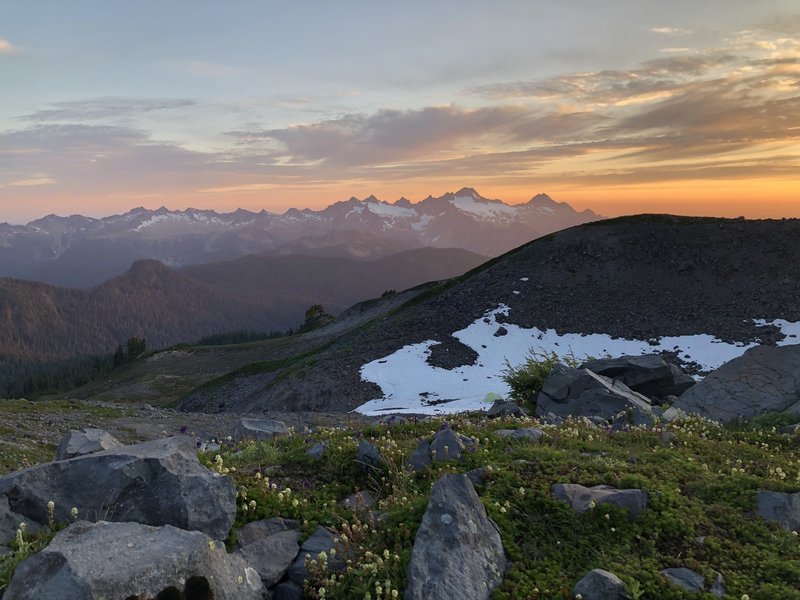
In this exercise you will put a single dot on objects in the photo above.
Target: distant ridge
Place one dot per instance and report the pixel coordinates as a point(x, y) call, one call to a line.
point(77, 251)
point(40, 322)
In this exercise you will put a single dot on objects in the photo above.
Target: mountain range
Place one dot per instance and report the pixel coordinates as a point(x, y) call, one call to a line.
point(82, 252)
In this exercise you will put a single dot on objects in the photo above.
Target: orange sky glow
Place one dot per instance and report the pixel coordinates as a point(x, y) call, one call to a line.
point(657, 110)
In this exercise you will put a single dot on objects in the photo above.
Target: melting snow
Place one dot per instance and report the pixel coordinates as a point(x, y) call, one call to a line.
point(411, 385)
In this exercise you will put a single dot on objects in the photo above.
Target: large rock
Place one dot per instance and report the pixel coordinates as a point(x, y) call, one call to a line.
point(129, 560)
point(255, 531)
point(763, 379)
point(781, 508)
point(582, 393)
point(272, 556)
point(649, 375)
point(160, 482)
point(88, 441)
point(686, 579)
point(320, 541)
point(259, 429)
point(457, 552)
point(368, 457)
point(600, 585)
point(580, 498)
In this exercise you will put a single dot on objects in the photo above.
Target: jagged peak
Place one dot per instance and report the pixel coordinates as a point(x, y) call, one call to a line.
point(468, 191)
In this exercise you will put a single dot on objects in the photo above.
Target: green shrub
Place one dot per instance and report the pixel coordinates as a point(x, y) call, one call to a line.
point(526, 379)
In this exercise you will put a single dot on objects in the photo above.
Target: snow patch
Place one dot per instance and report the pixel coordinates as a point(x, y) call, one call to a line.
point(484, 210)
point(383, 209)
point(411, 385)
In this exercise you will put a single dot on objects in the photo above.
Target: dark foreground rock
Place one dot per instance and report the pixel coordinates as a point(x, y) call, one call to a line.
point(155, 483)
point(128, 560)
point(272, 555)
point(649, 375)
point(581, 393)
point(457, 552)
point(763, 379)
point(580, 498)
point(88, 441)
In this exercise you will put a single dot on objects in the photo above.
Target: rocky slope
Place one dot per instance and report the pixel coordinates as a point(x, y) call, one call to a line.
point(639, 277)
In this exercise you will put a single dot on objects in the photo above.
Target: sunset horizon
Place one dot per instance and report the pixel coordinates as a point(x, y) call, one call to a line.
point(621, 109)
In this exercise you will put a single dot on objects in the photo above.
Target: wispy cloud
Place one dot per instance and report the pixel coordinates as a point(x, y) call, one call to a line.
point(8, 48)
point(33, 181)
point(670, 30)
point(719, 113)
point(104, 108)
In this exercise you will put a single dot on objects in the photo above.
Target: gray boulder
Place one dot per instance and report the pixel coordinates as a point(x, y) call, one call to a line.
point(320, 541)
point(502, 408)
point(457, 552)
point(421, 456)
point(123, 560)
point(88, 441)
point(368, 457)
point(317, 450)
point(530, 434)
point(686, 579)
point(272, 556)
point(781, 508)
point(580, 497)
point(259, 429)
point(582, 393)
point(600, 585)
point(160, 482)
point(255, 531)
point(649, 375)
point(763, 379)
point(448, 445)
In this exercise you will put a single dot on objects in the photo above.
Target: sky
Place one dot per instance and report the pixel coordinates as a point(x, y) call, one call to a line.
point(621, 106)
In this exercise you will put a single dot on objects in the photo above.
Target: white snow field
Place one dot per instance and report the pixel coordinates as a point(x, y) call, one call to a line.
point(411, 385)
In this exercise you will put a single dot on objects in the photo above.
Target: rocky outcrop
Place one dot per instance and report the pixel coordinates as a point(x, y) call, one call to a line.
point(259, 429)
point(600, 585)
point(457, 552)
point(582, 393)
point(686, 579)
point(160, 482)
point(649, 375)
point(763, 379)
point(88, 441)
point(781, 508)
point(129, 560)
point(580, 498)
